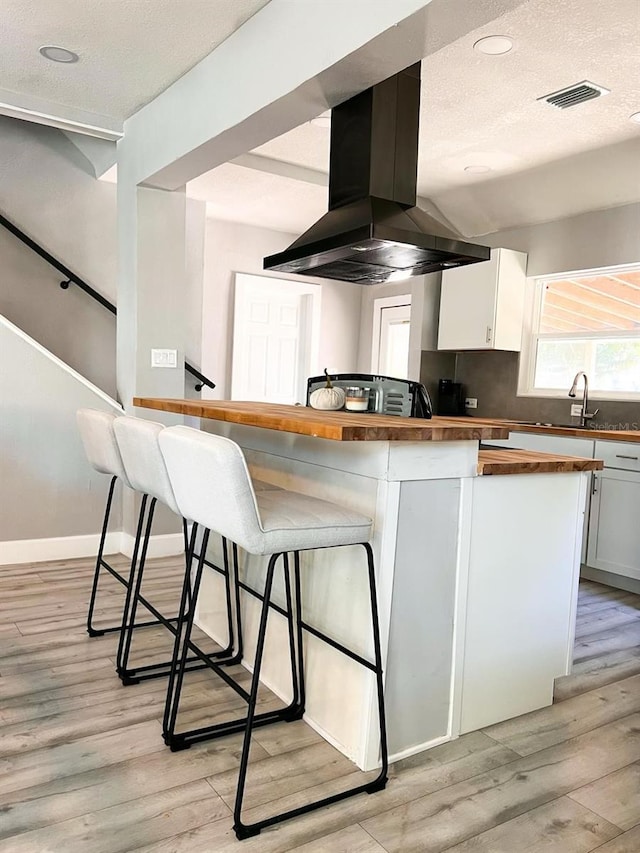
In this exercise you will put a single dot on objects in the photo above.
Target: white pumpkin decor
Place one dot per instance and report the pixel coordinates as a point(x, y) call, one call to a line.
point(329, 397)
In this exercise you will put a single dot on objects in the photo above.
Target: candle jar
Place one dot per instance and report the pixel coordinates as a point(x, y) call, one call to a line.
point(356, 399)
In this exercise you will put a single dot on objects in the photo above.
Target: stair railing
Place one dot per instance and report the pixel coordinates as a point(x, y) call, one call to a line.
point(71, 278)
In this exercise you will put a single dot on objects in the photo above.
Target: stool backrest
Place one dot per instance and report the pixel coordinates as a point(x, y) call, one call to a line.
point(143, 461)
point(99, 442)
point(212, 484)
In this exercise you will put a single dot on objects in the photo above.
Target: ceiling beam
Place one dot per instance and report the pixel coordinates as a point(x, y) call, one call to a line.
point(40, 111)
point(260, 163)
point(285, 65)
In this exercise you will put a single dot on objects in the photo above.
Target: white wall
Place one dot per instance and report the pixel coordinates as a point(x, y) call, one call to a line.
point(425, 299)
point(231, 248)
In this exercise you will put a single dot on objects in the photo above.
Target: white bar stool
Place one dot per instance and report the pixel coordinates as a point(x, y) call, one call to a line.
point(212, 486)
point(102, 452)
point(146, 471)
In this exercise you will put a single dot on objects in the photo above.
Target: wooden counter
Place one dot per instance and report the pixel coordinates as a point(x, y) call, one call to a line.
point(532, 462)
point(591, 434)
point(337, 426)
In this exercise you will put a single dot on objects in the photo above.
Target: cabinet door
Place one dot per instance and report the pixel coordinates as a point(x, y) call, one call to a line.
point(614, 526)
point(565, 446)
point(481, 305)
point(468, 306)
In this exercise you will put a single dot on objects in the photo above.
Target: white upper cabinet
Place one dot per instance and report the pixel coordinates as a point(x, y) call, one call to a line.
point(481, 305)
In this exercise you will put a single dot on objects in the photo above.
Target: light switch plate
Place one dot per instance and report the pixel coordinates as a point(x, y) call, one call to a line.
point(164, 358)
point(576, 410)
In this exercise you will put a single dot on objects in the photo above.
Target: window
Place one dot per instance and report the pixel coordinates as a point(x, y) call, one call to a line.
point(587, 322)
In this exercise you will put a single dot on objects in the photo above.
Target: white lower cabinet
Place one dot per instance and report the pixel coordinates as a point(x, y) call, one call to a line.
point(614, 526)
point(561, 444)
point(522, 590)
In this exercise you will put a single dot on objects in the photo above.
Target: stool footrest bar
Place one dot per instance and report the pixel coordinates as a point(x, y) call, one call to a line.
point(243, 830)
point(185, 739)
point(345, 651)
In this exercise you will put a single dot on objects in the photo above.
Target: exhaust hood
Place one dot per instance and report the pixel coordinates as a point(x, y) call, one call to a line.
point(373, 232)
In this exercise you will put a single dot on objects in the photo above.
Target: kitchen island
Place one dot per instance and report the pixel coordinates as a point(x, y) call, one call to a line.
point(477, 575)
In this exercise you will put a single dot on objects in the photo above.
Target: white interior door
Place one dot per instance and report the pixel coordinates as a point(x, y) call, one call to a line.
point(393, 346)
point(274, 335)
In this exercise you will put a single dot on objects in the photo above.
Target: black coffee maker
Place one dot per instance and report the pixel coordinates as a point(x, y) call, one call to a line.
point(450, 397)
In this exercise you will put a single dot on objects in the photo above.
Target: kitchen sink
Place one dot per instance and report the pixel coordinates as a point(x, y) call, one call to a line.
point(549, 424)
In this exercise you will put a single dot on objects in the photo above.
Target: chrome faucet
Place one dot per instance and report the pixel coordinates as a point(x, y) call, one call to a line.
point(586, 416)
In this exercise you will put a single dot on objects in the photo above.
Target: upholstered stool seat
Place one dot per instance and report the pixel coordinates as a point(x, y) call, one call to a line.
point(212, 486)
point(290, 521)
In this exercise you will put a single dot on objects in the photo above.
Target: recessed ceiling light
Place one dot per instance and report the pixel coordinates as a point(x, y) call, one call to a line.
point(323, 120)
point(477, 169)
point(494, 45)
point(635, 117)
point(58, 54)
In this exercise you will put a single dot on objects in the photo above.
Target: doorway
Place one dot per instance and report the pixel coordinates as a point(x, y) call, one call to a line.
point(391, 330)
point(275, 338)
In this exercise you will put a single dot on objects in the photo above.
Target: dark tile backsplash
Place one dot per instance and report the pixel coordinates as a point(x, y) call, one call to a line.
point(492, 377)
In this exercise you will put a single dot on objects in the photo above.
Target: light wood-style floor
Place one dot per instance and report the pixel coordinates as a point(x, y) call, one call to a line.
point(83, 768)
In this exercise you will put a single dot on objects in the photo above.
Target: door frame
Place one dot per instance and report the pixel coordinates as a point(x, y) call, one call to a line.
point(379, 305)
point(308, 352)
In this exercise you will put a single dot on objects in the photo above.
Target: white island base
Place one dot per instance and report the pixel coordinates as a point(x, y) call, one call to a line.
point(477, 588)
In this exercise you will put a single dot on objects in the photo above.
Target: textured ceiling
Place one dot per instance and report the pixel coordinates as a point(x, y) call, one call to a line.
point(483, 110)
point(130, 50)
point(245, 195)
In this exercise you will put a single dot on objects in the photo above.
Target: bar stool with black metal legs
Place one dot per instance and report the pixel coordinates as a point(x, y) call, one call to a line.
point(101, 449)
point(212, 486)
point(145, 469)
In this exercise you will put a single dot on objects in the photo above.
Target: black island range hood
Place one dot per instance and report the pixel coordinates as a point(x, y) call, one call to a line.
point(373, 231)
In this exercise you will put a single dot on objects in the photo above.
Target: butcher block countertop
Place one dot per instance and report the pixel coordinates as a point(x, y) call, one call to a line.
point(337, 426)
point(591, 434)
point(510, 461)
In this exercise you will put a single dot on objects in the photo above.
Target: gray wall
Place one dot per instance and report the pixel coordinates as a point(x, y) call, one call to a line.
point(598, 239)
point(73, 326)
point(47, 488)
point(47, 190)
point(492, 377)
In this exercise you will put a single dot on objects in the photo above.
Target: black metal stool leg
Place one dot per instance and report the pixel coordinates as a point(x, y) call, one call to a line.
point(236, 586)
point(182, 657)
point(381, 780)
point(240, 829)
point(296, 708)
point(133, 597)
point(95, 632)
point(243, 830)
point(182, 614)
point(129, 582)
point(234, 658)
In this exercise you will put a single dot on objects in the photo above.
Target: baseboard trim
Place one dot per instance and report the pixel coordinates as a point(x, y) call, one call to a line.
point(21, 551)
point(610, 579)
point(162, 545)
point(56, 548)
point(419, 747)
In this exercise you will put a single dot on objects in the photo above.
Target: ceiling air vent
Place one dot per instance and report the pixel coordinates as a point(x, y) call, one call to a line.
point(574, 95)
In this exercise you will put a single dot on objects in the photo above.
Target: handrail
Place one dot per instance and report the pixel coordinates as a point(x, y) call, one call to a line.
point(72, 278)
point(202, 379)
